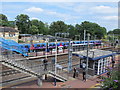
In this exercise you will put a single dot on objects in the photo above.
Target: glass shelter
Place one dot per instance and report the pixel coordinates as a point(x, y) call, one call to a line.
point(98, 60)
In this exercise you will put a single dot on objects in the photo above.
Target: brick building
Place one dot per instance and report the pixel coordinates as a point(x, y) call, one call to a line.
point(9, 33)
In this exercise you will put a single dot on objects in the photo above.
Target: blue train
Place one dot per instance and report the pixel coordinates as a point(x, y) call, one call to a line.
point(10, 45)
point(64, 44)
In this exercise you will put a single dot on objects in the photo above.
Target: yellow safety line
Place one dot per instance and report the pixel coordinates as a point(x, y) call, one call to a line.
point(95, 85)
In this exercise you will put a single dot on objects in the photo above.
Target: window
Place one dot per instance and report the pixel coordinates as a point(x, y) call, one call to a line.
point(11, 35)
point(3, 34)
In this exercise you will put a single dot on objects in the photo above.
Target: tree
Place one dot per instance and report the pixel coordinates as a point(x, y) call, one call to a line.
point(42, 28)
point(11, 24)
point(93, 29)
point(115, 33)
point(3, 20)
point(58, 26)
point(72, 32)
point(46, 29)
point(79, 31)
point(33, 30)
point(23, 23)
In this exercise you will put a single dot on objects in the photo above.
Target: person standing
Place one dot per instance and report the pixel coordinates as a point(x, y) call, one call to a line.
point(45, 62)
point(113, 62)
point(74, 72)
point(84, 71)
point(84, 75)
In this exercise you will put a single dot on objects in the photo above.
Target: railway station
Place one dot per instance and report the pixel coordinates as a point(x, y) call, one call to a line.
point(21, 65)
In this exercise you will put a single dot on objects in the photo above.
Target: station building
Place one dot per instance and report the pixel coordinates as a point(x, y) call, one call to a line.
point(98, 60)
point(9, 33)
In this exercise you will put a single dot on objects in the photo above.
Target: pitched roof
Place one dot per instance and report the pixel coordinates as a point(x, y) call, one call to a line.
point(8, 29)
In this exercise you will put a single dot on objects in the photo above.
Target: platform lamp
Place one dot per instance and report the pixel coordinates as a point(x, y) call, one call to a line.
point(55, 59)
point(84, 35)
point(47, 40)
point(88, 37)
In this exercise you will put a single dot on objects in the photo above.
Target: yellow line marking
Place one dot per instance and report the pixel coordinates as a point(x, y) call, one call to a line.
point(94, 86)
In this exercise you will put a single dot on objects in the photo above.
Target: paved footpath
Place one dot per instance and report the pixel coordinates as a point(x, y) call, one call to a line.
point(76, 83)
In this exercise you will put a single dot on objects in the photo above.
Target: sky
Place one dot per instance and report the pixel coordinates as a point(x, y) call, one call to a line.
point(103, 13)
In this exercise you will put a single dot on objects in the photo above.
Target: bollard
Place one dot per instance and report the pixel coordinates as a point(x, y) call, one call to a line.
point(39, 81)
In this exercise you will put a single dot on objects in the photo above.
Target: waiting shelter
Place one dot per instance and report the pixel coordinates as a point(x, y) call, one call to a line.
point(98, 60)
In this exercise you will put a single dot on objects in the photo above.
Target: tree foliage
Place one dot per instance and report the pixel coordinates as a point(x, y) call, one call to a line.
point(23, 23)
point(113, 81)
point(115, 33)
point(3, 20)
point(41, 28)
point(27, 26)
point(58, 26)
point(93, 29)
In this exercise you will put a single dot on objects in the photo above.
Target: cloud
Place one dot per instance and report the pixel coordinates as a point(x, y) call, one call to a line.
point(63, 16)
point(34, 10)
point(80, 8)
point(110, 17)
point(104, 9)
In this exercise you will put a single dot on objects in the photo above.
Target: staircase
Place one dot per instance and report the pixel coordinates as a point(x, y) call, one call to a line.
point(19, 67)
point(34, 70)
point(59, 77)
point(12, 46)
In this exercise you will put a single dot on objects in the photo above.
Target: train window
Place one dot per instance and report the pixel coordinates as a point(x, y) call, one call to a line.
point(50, 44)
point(67, 43)
point(73, 42)
point(43, 45)
point(53, 44)
point(38, 45)
point(26, 46)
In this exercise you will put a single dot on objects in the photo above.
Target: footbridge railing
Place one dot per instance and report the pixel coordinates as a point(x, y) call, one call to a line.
point(35, 69)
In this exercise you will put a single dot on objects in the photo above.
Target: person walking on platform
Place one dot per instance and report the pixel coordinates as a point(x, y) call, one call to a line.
point(45, 62)
point(84, 75)
point(74, 72)
point(84, 71)
point(113, 62)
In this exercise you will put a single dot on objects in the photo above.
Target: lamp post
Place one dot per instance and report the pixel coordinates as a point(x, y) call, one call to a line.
point(84, 35)
point(88, 35)
point(47, 40)
point(95, 37)
point(55, 59)
point(70, 49)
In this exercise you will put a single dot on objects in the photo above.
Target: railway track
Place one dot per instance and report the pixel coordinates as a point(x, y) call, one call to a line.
point(62, 60)
point(9, 72)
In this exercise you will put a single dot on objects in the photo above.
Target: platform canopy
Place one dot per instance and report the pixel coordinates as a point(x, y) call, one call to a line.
point(93, 54)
